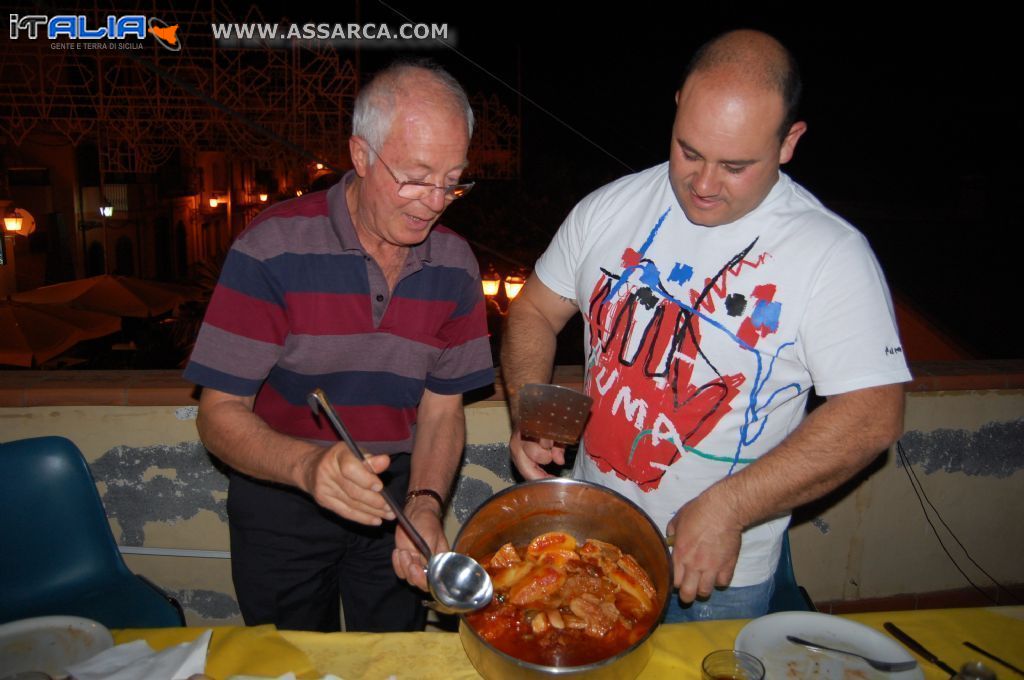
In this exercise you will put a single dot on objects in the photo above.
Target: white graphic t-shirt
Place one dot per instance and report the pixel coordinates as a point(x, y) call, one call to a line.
point(702, 342)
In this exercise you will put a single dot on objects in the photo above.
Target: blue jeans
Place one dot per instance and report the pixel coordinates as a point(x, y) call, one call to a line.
point(746, 602)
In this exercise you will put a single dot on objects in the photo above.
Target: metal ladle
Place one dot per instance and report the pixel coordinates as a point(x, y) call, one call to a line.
point(458, 583)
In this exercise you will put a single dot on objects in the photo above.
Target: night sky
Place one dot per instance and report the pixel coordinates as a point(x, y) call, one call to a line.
point(915, 133)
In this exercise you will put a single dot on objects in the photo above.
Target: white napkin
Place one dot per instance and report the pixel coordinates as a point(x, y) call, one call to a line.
point(138, 661)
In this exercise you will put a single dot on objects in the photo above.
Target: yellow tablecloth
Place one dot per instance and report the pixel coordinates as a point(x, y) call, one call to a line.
point(259, 650)
point(678, 648)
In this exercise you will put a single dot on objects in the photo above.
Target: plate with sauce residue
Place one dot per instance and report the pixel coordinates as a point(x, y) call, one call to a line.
point(50, 644)
point(765, 638)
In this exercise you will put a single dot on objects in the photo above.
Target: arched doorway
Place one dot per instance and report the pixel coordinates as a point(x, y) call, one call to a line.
point(124, 257)
point(181, 250)
point(96, 263)
point(164, 248)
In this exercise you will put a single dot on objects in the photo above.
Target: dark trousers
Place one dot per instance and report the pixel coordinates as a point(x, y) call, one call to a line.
point(292, 559)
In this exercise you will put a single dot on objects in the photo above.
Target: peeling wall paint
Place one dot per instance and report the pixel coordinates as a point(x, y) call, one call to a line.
point(994, 450)
point(469, 495)
point(473, 489)
point(209, 604)
point(899, 552)
point(174, 482)
point(135, 496)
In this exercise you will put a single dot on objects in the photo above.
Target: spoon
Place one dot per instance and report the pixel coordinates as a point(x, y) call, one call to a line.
point(458, 583)
point(884, 666)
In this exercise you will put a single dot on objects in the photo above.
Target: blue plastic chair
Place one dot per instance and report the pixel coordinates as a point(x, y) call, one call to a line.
point(57, 554)
point(788, 596)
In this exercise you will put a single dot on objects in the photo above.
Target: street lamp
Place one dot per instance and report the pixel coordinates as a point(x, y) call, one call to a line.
point(513, 284)
point(17, 222)
point(13, 220)
point(492, 285)
point(491, 282)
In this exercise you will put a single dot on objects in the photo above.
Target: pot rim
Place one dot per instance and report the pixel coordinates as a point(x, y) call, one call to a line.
point(564, 670)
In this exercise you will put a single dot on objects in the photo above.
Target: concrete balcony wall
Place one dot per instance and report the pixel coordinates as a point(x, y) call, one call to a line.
point(871, 539)
point(164, 494)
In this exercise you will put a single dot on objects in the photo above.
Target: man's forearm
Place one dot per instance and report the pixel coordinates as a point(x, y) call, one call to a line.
point(832, 444)
point(535, 319)
point(527, 352)
point(828, 448)
point(440, 439)
point(240, 438)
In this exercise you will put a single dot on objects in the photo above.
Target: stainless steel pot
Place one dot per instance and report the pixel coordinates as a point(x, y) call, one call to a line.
point(584, 510)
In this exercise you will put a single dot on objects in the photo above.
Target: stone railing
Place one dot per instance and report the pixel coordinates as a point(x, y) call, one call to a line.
point(165, 496)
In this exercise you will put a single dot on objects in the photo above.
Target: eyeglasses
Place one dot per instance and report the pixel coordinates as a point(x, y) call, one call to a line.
point(415, 190)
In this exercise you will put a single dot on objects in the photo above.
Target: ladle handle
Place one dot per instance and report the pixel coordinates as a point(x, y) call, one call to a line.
point(317, 397)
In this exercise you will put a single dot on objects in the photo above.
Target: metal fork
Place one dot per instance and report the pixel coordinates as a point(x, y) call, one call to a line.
point(884, 666)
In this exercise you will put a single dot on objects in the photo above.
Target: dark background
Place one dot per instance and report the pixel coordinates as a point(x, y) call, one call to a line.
point(914, 126)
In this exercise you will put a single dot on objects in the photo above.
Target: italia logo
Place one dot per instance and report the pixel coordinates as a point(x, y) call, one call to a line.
point(77, 27)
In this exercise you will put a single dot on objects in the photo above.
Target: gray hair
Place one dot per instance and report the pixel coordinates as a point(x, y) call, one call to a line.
point(374, 109)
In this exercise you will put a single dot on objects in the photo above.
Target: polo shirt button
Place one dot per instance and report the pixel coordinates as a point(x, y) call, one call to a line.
point(380, 298)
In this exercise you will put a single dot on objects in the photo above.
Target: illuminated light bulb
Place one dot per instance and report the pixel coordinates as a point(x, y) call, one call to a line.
point(491, 283)
point(513, 284)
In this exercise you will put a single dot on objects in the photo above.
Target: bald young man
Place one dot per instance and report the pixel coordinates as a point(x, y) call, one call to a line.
point(355, 290)
point(715, 293)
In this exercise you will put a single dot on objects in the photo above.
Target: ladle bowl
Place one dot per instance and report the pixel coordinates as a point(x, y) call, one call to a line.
point(458, 583)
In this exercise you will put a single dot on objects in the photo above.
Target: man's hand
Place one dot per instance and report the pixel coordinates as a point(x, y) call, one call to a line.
point(529, 456)
point(706, 545)
point(409, 563)
point(834, 442)
point(338, 480)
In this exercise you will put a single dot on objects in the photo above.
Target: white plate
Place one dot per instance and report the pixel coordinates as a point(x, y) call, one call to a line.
point(50, 643)
point(765, 638)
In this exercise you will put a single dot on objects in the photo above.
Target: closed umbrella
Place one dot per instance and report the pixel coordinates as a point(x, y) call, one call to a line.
point(111, 294)
point(31, 334)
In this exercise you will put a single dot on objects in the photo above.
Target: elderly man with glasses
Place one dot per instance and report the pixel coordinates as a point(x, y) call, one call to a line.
point(354, 290)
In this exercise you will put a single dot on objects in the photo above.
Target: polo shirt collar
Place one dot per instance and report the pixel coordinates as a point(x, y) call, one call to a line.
point(341, 221)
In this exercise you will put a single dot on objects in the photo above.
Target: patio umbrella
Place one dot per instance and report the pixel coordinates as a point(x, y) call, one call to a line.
point(110, 294)
point(31, 334)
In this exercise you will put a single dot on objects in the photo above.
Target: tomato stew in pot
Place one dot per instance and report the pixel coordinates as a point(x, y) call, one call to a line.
point(561, 603)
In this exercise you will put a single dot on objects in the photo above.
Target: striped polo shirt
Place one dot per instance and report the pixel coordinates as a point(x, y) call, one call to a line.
point(301, 305)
